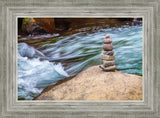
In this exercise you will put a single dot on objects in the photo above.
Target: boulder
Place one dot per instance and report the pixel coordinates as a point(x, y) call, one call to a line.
point(47, 24)
point(95, 84)
point(38, 25)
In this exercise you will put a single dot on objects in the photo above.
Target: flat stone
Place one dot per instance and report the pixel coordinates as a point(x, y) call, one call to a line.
point(107, 36)
point(107, 57)
point(108, 52)
point(107, 41)
point(110, 68)
point(108, 63)
point(108, 47)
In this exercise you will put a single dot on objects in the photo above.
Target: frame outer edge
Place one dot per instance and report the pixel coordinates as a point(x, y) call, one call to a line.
point(158, 60)
point(2, 59)
point(1, 56)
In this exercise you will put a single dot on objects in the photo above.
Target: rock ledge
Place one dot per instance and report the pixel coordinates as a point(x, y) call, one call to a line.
point(95, 84)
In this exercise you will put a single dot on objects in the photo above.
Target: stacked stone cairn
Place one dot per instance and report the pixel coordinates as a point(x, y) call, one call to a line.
point(107, 55)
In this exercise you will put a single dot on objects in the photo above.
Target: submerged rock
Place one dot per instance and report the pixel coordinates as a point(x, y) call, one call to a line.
point(95, 84)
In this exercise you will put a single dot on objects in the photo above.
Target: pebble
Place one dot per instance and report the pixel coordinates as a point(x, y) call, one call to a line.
point(107, 41)
point(108, 52)
point(110, 68)
point(108, 63)
point(107, 36)
point(108, 47)
point(107, 57)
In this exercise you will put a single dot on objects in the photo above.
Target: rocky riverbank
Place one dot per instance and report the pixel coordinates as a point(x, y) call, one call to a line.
point(95, 84)
point(35, 27)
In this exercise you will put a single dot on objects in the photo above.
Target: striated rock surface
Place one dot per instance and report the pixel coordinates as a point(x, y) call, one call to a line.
point(95, 84)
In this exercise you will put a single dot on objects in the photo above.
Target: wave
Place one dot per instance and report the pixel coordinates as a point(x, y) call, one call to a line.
point(33, 74)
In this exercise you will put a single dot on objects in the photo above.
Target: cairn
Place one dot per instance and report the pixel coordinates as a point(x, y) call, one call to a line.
point(107, 55)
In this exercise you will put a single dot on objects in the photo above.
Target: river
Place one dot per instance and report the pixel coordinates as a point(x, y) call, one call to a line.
point(44, 62)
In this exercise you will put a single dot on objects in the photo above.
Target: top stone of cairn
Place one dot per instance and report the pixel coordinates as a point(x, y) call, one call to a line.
point(107, 36)
point(107, 40)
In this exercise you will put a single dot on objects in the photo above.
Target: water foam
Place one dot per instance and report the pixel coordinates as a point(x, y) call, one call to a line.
point(34, 75)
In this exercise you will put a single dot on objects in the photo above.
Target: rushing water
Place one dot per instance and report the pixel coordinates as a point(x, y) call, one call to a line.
point(43, 64)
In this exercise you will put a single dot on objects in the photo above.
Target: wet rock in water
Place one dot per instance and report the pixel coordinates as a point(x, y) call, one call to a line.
point(108, 52)
point(108, 47)
point(108, 63)
point(107, 41)
point(107, 57)
point(109, 68)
